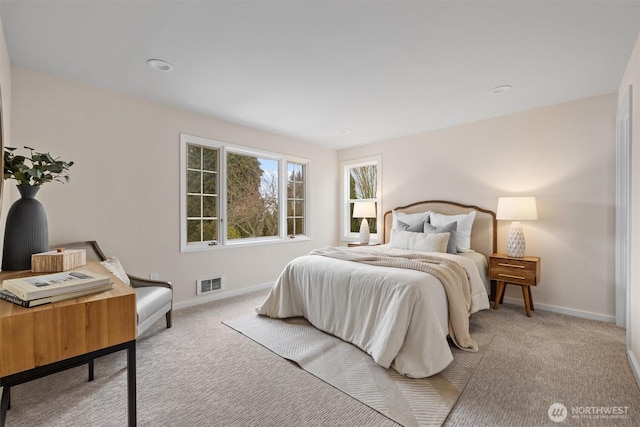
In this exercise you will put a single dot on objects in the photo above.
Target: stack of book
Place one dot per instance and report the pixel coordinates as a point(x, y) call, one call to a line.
point(37, 290)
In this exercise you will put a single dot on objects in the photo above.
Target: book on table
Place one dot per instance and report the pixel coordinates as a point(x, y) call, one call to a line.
point(34, 287)
point(8, 296)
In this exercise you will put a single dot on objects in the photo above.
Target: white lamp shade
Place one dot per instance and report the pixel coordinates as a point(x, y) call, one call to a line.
point(364, 210)
point(517, 209)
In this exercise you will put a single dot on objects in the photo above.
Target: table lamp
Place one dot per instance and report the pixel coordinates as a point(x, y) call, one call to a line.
point(364, 210)
point(516, 209)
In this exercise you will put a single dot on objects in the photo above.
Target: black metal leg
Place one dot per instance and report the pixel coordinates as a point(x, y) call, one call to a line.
point(4, 405)
point(131, 383)
point(167, 317)
point(83, 359)
point(91, 362)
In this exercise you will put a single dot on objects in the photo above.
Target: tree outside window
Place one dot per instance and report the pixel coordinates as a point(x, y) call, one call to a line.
point(252, 197)
point(362, 186)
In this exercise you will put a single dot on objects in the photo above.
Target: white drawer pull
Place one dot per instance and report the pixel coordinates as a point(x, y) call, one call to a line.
point(511, 265)
point(510, 276)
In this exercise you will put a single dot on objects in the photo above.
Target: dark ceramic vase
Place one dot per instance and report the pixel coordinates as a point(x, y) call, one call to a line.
point(26, 230)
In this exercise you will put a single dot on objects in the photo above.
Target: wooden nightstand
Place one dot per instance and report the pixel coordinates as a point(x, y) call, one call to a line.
point(356, 244)
point(524, 272)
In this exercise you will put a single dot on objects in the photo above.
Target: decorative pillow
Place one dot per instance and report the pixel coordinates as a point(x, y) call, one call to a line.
point(449, 228)
point(418, 227)
point(113, 265)
point(409, 218)
point(463, 232)
point(436, 242)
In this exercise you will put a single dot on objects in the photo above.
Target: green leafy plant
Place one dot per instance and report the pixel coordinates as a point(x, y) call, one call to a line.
point(35, 169)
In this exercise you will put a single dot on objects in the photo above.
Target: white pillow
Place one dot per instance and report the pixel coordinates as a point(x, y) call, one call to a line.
point(409, 218)
point(436, 242)
point(463, 233)
point(113, 265)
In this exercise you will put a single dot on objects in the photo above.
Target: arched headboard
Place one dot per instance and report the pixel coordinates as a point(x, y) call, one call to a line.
point(483, 233)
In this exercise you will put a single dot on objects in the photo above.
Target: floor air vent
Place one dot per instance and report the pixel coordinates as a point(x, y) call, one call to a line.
point(204, 286)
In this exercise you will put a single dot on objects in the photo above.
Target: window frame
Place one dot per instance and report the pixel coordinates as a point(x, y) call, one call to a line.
point(223, 149)
point(345, 215)
point(305, 211)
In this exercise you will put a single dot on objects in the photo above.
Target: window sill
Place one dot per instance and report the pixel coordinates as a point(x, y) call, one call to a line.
point(244, 244)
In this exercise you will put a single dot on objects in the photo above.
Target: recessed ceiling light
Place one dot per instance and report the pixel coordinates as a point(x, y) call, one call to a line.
point(345, 131)
point(500, 89)
point(160, 65)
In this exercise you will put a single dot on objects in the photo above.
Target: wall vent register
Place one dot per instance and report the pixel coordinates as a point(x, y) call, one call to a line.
point(204, 286)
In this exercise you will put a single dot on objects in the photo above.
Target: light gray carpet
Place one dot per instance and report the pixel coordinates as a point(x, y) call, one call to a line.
point(410, 402)
point(202, 373)
point(548, 358)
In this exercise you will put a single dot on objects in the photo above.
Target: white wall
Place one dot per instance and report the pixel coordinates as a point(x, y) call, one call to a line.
point(562, 154)
point(5, 91)
point(632, 78)
point(124, 189)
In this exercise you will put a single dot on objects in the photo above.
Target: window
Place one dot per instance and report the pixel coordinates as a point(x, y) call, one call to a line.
point(361, 182)
point(202, 194)
point(295, 198)
point(252, 196)
point(232, 195)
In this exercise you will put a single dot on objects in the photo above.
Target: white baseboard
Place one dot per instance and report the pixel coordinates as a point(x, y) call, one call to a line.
point(218, 295)
point(564, 310)
point(634, 365)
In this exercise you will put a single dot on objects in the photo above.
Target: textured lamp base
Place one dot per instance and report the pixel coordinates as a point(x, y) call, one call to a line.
point(364, 232)
point(515, 241)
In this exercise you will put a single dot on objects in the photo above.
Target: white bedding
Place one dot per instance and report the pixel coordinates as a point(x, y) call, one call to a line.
point(397, 316)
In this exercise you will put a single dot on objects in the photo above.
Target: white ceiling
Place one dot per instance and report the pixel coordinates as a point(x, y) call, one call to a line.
point(310, 69)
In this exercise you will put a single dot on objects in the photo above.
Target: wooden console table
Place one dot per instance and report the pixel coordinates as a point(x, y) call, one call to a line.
point(39, 341)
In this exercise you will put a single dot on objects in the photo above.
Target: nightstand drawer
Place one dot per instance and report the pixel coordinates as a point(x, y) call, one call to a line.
point(521, 277)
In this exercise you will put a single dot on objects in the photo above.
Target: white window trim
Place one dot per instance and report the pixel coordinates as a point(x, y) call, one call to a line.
point(222, 195)
point(345, 219)
point(283, 197)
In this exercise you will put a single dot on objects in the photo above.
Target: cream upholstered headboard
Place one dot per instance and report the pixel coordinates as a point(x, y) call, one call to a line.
point(483, 233)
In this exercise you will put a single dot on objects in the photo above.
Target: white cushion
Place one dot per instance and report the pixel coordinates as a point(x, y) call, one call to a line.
point(436, 242)
point(151, 299)
point(463, 232)
point(113, 265)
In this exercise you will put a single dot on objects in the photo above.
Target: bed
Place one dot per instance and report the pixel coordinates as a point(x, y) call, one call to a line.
point(401, 316)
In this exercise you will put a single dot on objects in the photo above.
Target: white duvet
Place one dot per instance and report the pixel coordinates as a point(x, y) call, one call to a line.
point(397, 316)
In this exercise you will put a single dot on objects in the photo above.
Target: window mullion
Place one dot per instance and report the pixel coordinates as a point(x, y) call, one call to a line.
point(201, 194)
point(282, 197)
point(222, 195)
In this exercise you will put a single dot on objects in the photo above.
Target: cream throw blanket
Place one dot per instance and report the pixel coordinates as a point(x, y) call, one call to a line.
point(453, 277)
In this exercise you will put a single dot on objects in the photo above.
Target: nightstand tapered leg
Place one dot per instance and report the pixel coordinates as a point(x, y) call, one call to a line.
point(527, 300)
point(530, 298)
point(499, 294)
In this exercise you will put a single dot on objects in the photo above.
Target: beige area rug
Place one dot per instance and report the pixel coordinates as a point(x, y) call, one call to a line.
point(409, 402)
